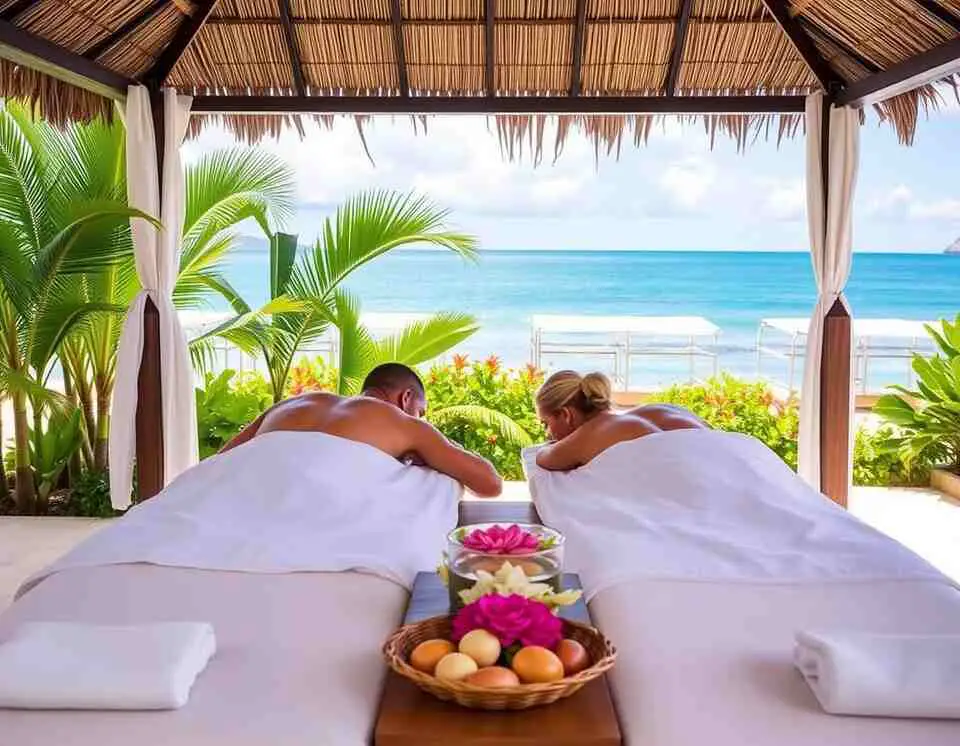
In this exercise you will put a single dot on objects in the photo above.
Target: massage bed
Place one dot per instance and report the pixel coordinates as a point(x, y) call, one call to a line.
point(289, 546)
point(702, 556)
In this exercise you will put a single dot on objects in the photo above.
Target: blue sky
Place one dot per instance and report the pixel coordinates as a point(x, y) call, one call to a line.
point(673, 194)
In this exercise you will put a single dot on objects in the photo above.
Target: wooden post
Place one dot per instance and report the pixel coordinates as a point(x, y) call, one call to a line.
point(149, 425)
point(835, 405)
point(834, 366)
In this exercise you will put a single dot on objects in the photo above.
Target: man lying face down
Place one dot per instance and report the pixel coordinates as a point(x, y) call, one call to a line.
point(387, 415)
point(578, 413)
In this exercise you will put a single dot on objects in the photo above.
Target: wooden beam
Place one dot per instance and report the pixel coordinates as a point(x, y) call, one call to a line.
point(23, 48)
point(144, 16)
point(940, 12)
point(396, 21)
point(498, 105)
point(925, 68)
point(157, 75)
point(293, 50)
point(827, 77)
point(489, 47)
point(17, 9)
point(844, 48)
point(498, 21)
point(579, 30)
point(679, 42)
point(835, 423)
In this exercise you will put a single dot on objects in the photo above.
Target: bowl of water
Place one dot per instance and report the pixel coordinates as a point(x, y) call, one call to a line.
point(541, 560)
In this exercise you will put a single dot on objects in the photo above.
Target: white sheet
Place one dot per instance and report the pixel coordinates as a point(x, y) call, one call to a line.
point(69, 666)
point(286, 502)
point(885, 675)
point(704, 505)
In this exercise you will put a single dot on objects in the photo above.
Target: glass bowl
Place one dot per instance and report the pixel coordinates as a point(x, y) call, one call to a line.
point(540, 565)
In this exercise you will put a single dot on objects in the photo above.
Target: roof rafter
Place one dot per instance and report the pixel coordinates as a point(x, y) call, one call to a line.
point(144, 16)
point(17, 9)
point(679, 42)
point(939, 12)
point(182, 39)
point(827, 77)
point(31, 51)
point(489, 46)
point(499, 105)
point(925, 68)
point(396, 22)
point(293, 50)
point(845, 48)
point(576, 77)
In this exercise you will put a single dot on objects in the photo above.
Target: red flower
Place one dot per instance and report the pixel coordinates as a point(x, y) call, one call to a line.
point(498, 540)
point(492, 440)
point(512, 619)
point(460, 362)
point(532, 373)
point(493, 364)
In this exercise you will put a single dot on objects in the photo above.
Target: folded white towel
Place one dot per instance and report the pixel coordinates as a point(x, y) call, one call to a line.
point(883, 675)
point(59, 665)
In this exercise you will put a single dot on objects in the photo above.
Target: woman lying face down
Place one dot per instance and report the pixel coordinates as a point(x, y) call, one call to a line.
point(578, 413)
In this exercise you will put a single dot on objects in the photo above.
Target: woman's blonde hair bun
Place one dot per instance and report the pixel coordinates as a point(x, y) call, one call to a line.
point(590, 393)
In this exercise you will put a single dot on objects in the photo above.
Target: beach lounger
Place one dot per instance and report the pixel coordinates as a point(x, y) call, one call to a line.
point(703, 555)
point(289, 546)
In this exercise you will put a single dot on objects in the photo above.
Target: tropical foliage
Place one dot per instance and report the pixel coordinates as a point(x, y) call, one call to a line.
point(67, 276)
point(927, 418)
point(307, 294)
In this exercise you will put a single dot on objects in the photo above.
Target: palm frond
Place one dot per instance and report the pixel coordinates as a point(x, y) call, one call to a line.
point(366, 227)
point(283, 256)
point(478, 416)
point(229, 186)
point(358, 351)
point(425, 340)
point(22, 187)
point(12, 382)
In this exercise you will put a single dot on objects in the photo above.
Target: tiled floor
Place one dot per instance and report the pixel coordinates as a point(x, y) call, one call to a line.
point(923, 520)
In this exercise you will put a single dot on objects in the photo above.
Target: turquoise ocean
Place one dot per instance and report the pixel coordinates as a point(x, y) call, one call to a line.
point(734, 290)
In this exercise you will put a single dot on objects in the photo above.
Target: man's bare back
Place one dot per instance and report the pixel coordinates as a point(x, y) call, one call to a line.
point(386, 420)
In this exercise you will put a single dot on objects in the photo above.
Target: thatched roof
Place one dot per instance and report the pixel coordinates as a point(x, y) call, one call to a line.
point(582, 49)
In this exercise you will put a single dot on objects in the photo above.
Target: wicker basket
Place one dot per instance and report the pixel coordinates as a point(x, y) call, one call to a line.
point(402, 642)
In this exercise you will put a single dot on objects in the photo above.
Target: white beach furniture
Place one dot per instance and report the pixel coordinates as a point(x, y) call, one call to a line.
point(621, 339)
point(873, 340)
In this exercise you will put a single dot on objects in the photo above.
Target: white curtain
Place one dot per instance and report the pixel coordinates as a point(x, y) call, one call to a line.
point(157, 259)
point(831, 246)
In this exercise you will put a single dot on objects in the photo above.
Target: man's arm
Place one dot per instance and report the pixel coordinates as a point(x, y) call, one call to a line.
point(475, 473)
point(244, 435)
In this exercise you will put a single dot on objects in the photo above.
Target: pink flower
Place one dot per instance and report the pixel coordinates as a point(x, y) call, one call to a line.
point(498, 540)
point(512, 619)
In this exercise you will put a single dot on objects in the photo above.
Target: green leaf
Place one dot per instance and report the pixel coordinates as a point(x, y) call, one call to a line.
point(483, 417)
point(283, 256)
point(425, 340)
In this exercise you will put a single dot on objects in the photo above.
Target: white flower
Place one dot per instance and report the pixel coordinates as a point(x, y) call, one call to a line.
point(511, 580)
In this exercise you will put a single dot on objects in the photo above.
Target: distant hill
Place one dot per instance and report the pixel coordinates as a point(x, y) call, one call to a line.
point(953, 248)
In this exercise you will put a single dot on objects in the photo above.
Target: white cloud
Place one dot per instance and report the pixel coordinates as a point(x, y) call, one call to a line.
point(894, 203)
point(785, 200)
point(687, 182)
point(944, 209)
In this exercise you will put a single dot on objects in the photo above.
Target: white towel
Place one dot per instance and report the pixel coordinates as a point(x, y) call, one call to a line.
point(64, 666)
point(883, 675)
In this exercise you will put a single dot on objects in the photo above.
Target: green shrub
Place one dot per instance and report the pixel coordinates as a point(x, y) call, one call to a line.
point(89, 497)
point(486, 384)
point(227, 403)
point(876, 464)
point(749, 407)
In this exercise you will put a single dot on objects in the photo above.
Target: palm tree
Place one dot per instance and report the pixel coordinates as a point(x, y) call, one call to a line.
point(66, 262)
point(305, 291)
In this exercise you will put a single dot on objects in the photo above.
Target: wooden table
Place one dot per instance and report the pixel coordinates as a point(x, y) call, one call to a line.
point(410, 717)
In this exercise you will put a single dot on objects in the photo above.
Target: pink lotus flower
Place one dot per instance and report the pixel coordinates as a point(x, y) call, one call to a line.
point(498, 540)
point(512, 619)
